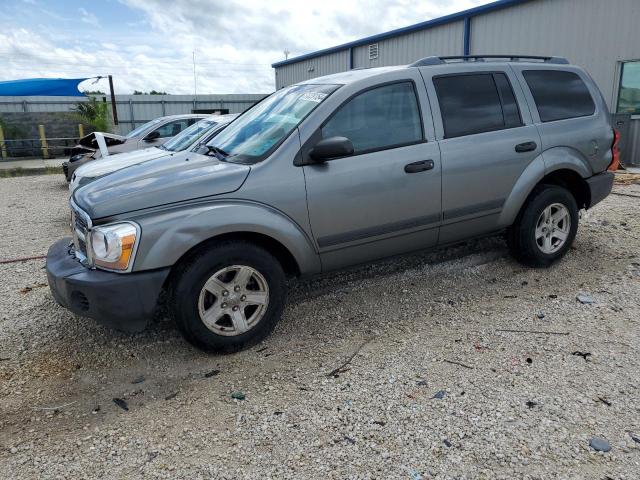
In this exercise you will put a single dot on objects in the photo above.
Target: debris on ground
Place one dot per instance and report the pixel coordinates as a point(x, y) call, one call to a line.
point(121, 403)
point(212, 373)
point(584, 355)
point(585, 298)
point(530, 404)
point(138, 379)
point(171, 395)
point(238, 396)
point(440, 395)
point(600, 444)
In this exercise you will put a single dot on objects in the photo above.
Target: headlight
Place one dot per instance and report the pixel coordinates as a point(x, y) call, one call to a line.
point(113, 246)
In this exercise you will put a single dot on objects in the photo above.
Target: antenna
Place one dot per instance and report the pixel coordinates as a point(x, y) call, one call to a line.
point(286, 54)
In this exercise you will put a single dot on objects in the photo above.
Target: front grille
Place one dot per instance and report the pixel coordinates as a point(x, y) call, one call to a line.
point(80, 224)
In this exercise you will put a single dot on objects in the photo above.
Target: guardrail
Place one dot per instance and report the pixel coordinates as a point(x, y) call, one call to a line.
point(43, 146)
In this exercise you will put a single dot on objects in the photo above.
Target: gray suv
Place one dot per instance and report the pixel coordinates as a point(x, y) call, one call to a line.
point(336, 171)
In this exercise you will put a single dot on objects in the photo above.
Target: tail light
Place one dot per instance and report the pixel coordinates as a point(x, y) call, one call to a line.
point(615, 151)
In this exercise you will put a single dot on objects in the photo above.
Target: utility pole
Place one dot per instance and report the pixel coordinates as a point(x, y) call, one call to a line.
point(195, 83)
point(113, 101)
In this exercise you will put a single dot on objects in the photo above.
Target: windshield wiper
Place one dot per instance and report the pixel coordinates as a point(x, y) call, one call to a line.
point(218, 152)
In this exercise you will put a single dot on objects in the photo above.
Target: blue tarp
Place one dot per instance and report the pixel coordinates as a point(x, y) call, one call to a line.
point(59, 87)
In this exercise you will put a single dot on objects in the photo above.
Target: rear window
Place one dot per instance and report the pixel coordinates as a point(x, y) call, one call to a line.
point(559, 95)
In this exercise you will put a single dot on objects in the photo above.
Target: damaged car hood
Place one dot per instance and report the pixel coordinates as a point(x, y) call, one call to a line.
point(183, 176)
point(113, 163)
point(110, 139)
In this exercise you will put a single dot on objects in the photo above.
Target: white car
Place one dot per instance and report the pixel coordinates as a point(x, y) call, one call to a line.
point(192, 139)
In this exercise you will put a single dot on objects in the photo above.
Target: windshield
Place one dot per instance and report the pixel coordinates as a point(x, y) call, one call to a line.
point(257, 132)
point(189, 135)
point(137, 131)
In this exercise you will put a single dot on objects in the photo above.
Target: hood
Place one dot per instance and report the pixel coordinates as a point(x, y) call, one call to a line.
point(182, 176)
point(118, 161)
point(110, 139)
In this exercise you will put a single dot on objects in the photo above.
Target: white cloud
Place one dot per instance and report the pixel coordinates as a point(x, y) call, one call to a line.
point(88, 18)
point(235, 41)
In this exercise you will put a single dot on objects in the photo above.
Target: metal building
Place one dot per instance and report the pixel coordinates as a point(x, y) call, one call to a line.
point(134, 110)
point(599, 35)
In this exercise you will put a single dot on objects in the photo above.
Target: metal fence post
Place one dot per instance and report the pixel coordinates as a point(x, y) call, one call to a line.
point(3, 145)
point(43, 142)
point(81, 130)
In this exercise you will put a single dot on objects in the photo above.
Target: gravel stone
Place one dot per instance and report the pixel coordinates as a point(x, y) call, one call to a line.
point(600, 444)
point(505, 418)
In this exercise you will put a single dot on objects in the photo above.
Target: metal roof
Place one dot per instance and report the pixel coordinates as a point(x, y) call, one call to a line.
point(454, 17)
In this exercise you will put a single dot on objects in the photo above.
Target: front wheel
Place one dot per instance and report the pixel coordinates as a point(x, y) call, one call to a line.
point(228, 296)
point(545, 227)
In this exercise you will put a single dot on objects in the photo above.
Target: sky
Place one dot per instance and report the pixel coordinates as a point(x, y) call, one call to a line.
point(149, 44)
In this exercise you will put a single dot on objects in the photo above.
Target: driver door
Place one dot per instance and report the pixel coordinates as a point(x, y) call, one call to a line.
point(385, 198)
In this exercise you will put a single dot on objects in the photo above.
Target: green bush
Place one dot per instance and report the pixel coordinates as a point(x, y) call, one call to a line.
point(94, 113)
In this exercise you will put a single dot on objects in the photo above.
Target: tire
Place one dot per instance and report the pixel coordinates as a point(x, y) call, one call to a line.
point(191, 303)
point(523, 236)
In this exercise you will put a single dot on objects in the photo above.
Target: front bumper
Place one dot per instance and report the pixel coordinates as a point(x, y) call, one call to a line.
point(600, 186)
point(122, 301)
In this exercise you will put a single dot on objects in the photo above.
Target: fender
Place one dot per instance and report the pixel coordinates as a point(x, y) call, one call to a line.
point(169, 234)
point(567, 158)
point(557, 158)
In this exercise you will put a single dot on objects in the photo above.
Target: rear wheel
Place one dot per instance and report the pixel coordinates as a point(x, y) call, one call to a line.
point(545, 227)
point(228, 297)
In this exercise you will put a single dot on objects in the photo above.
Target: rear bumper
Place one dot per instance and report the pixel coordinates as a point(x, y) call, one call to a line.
point(600, 186)
point(122, 301)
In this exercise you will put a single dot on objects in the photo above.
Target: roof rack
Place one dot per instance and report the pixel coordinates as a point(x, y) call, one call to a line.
point(480, 58)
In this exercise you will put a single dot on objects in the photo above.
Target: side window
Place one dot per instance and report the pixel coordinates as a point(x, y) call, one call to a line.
point(380, 118)
point(476, 103)
point(171, 129)
point(559, 95)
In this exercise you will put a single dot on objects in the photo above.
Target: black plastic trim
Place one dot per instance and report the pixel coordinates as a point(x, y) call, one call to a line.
point(600, 186)
point(331, 240)
point(471, 209)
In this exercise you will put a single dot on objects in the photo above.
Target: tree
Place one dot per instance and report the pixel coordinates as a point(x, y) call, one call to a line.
point(93, 92)
point(94, 113)
point(152, 92)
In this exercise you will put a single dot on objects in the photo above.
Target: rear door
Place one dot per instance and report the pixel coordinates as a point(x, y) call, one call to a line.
point(385, 198)
point(486, 139)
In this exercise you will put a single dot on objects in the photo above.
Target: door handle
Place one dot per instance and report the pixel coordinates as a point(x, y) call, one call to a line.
point(420, 166)
point(526, 147)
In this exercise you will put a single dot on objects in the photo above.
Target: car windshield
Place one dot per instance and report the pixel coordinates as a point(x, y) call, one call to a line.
point(189, 135)
point(259, 131)
point(136, 132)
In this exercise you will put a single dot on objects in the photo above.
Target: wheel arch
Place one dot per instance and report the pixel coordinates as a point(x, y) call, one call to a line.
point(172, 236)
point(562, 166)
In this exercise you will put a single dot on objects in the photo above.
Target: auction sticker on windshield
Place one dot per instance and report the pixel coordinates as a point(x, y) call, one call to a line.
point(316, 97)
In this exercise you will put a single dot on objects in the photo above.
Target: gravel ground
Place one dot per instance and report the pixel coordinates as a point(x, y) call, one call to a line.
point(516, 405)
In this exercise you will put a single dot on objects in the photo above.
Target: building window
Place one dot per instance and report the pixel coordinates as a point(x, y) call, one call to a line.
point(373, 51)
point(629, 94)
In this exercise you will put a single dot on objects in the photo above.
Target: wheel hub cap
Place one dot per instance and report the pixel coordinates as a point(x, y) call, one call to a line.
point(552, 228)
point(233, 300)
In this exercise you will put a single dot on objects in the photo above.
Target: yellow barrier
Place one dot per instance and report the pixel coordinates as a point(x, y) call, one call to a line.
point(43, 142)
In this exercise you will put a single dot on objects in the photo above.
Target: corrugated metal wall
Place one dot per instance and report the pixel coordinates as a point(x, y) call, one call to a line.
point(595, 34)
point(312, 68)
point(133, 110)
point(442, 40)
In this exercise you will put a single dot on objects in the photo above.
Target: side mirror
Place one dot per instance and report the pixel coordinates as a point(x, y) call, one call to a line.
point(152, 136)
point(331, 147)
